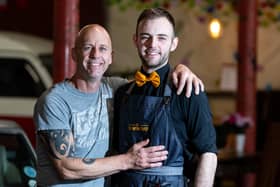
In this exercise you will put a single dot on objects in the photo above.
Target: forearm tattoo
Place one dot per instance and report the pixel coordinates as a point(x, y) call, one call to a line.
point(60, 142)
point(88, 160)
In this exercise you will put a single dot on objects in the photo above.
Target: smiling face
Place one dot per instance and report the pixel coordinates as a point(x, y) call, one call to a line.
point(154, 41)
point(92, 52)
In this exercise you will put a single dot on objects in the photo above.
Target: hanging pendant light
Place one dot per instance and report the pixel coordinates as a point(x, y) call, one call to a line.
point(215, 28)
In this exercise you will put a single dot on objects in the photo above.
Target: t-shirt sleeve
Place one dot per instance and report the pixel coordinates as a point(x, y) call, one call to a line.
point(200, 126)
point(50, 113)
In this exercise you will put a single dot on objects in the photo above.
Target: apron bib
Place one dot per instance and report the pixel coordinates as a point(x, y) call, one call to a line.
point(143, 117)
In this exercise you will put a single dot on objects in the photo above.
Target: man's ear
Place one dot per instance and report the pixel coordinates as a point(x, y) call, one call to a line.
point(174, 44)
point(134, 38)
point(73, 54)
point(112, 57)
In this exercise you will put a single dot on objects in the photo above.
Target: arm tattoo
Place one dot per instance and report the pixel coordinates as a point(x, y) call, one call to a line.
point(59, 142)
point(88, 160)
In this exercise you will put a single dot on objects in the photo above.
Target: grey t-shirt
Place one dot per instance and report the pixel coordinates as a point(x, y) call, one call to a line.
point(86, 115)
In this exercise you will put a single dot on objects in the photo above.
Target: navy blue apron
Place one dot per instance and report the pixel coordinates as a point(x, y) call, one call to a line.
point(143, 117)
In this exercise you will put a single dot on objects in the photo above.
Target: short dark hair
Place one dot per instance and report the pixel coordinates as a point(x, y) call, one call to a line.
point(153, 13)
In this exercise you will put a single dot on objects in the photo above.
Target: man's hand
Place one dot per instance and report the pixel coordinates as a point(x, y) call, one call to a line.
point(182, 76)
point(141, 157)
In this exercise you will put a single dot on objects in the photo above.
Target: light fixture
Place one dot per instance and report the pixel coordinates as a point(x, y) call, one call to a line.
point(215, 28)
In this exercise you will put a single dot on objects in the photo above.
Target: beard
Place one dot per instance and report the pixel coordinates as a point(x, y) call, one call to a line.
point(154, 65)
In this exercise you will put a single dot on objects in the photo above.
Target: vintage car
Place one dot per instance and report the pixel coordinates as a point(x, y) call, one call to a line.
point(23, 76)
point(17, 156)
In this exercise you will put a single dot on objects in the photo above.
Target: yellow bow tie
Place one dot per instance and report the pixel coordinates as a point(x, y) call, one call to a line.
point(141, 79)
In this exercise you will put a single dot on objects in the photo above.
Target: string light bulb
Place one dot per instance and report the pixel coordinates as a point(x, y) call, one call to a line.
point(215, 28)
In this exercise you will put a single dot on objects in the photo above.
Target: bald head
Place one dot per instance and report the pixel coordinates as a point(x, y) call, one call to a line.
point(92, 52)
point(93, 30)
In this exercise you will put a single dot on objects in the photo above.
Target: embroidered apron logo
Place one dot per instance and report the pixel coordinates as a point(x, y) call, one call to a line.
point(138, 127)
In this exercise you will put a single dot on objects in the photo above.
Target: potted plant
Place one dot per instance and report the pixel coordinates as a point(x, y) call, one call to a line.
point(237, 124)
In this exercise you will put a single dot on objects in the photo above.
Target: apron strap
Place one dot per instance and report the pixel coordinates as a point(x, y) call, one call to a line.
point(167, 94)
point(129, 90)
